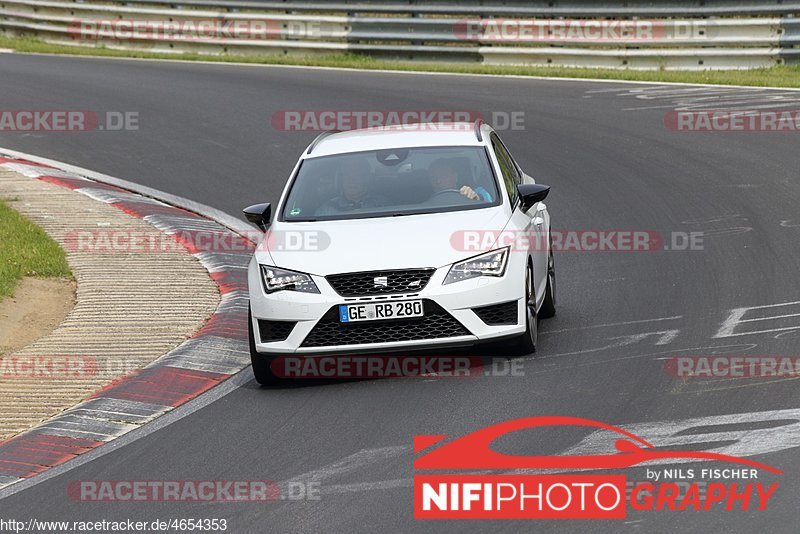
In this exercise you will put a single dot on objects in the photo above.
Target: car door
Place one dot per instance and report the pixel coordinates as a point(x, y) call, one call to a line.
point(534, 222)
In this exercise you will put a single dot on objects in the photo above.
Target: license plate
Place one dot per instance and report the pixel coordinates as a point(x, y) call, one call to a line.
point(380, 311)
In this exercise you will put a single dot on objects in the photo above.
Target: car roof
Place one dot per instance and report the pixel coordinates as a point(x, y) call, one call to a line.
point(398, 136)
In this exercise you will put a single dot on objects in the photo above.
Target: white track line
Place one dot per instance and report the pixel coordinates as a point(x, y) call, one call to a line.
point(674, 317)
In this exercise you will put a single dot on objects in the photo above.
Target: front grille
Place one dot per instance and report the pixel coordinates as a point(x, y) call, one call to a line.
point(270, 331)
point(379, 282)
point(497, 314)
point(436, 323)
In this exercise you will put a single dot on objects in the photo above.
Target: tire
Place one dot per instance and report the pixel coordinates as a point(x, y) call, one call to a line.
point(548, 308)
point(262, 369)
point(526, 343)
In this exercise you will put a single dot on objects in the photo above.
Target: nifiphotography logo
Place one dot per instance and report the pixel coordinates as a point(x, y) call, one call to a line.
point(470, 493)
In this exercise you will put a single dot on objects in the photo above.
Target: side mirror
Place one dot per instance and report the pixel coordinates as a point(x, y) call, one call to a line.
point(530, 194)
point(259, 214)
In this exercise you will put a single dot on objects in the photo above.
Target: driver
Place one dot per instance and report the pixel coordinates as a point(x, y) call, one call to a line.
point(444, 177)
point(356, 182)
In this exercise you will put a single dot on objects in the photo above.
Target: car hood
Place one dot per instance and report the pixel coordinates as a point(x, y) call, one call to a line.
point(411, 241)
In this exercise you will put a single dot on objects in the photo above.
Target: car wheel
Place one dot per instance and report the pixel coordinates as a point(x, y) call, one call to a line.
point(261, 362)
point(548, 308)
point(526, 344)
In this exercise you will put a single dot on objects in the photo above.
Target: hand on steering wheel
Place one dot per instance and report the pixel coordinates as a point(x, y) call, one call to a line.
point(470, 193)
point(466, 191)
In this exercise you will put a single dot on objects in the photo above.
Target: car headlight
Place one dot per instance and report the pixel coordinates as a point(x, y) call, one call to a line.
point(280, 279)
point(489, 264)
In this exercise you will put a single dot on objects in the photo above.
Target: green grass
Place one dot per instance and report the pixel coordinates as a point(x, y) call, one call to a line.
point(782, 76)
point(26, 250)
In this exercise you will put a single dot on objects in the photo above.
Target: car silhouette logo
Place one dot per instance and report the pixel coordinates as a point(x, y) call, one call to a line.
point(473, 451)
point(381, 281)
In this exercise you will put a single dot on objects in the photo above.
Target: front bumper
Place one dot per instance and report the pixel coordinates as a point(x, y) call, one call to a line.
point(456, 300)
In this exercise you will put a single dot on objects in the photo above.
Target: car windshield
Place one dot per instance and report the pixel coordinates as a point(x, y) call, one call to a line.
point(391, 182)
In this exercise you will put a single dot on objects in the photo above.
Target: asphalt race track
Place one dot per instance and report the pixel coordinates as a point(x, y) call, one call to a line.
point(205, 133)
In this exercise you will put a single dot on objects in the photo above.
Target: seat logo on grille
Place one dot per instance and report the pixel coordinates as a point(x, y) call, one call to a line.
point(381, 281)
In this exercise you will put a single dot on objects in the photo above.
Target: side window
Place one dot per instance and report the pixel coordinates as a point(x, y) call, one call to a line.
point(511, 176)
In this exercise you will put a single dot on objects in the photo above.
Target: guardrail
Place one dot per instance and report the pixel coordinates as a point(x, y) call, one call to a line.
point(711, 34)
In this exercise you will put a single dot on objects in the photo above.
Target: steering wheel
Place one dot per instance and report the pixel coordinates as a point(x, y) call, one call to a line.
point(443, 191)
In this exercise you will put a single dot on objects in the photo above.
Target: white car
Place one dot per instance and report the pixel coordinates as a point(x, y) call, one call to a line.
point(396, 238)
